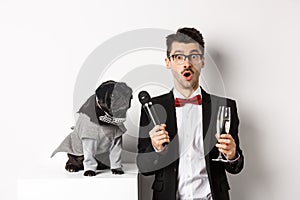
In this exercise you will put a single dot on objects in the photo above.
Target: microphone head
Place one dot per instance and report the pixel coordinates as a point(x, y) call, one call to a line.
point(144, 97)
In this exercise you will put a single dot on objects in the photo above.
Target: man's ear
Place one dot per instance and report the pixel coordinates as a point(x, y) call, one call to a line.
point(168, 63)
point(202, 62)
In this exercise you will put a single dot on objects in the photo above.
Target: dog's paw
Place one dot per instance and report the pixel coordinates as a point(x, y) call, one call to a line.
point(117, 171)
point(71, 168)
point(89, 173)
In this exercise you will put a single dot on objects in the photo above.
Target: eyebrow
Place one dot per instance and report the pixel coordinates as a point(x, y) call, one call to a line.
point(177, 51)
point(192, 51)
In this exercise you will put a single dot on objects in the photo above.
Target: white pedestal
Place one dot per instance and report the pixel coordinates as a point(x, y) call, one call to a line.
point(74, 186)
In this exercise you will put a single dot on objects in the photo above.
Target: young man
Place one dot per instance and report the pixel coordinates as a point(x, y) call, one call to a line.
point(179, 152)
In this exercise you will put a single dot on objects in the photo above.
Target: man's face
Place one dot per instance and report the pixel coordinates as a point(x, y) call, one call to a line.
point(186, 73)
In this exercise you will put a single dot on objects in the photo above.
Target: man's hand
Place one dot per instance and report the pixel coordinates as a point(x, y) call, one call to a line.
point(159, 136)
point(227, 146)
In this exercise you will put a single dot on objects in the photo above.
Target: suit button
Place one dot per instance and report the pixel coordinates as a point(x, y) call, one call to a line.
point(175, 169)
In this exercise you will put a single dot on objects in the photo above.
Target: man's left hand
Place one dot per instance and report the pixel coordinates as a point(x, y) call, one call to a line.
point(227, 146)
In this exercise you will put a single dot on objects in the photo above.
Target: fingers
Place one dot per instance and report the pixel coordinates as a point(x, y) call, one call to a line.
point(162, 135)
point(226, 142)
point(156, 129)
point(224, 136)
point(226, 145)
point(159, 136)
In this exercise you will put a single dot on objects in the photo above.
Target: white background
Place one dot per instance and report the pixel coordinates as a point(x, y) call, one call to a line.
point(255, 45)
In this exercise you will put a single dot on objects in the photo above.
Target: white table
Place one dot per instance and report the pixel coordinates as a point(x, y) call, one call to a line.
point(56, 185)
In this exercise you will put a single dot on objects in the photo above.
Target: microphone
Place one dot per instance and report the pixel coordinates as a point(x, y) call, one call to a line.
point(145, 100)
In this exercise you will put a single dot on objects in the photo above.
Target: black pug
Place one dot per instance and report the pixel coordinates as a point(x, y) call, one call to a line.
point(96, 140)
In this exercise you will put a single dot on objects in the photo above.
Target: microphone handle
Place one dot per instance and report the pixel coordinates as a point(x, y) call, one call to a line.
point(151, 113)
point(153, 116)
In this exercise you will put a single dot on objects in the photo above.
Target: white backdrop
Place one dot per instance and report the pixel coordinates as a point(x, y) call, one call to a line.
point(43, 45)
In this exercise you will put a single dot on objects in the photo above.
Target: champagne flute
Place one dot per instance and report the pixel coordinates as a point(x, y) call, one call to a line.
point(223, 123)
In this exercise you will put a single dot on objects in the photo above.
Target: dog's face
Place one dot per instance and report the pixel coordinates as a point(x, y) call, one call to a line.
point(120, 103)
point(114, 98)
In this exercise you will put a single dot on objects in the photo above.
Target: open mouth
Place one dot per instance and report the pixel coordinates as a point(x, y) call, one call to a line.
point(188, 75)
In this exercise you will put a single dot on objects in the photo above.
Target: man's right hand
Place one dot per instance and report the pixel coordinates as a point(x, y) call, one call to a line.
point(159, 136)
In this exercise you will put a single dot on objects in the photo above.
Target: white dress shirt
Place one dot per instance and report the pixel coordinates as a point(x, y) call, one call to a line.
point(192, 177)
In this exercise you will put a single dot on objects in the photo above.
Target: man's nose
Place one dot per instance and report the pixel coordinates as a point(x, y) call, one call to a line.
point(187, 62)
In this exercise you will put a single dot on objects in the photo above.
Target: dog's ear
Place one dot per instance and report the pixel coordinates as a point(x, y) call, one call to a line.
point(104, 93)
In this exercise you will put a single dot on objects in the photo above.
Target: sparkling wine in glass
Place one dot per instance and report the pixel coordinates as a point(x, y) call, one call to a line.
point(223, 124)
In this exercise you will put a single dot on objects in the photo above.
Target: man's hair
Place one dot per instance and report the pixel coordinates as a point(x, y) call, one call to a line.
point(185, 35)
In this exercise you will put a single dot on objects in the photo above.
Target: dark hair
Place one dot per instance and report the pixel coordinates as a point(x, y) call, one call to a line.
point(185, 35)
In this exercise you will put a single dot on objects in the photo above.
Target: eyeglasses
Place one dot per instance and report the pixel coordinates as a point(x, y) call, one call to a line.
point(180, 58)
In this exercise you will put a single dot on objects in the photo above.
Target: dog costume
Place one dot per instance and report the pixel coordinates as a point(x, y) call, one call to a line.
point(96, 141)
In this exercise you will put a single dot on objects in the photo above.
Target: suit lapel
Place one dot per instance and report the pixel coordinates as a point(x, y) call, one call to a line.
point(169, 104)
point(207, 119)
point(206, 111)
point(171, 119)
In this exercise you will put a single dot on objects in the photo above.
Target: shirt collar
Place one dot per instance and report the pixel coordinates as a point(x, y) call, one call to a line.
point(177, 94)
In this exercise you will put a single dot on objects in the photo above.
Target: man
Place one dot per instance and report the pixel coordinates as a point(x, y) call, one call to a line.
point(179, 152)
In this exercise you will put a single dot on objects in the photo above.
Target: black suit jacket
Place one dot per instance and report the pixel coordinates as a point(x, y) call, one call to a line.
point(165, 165)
